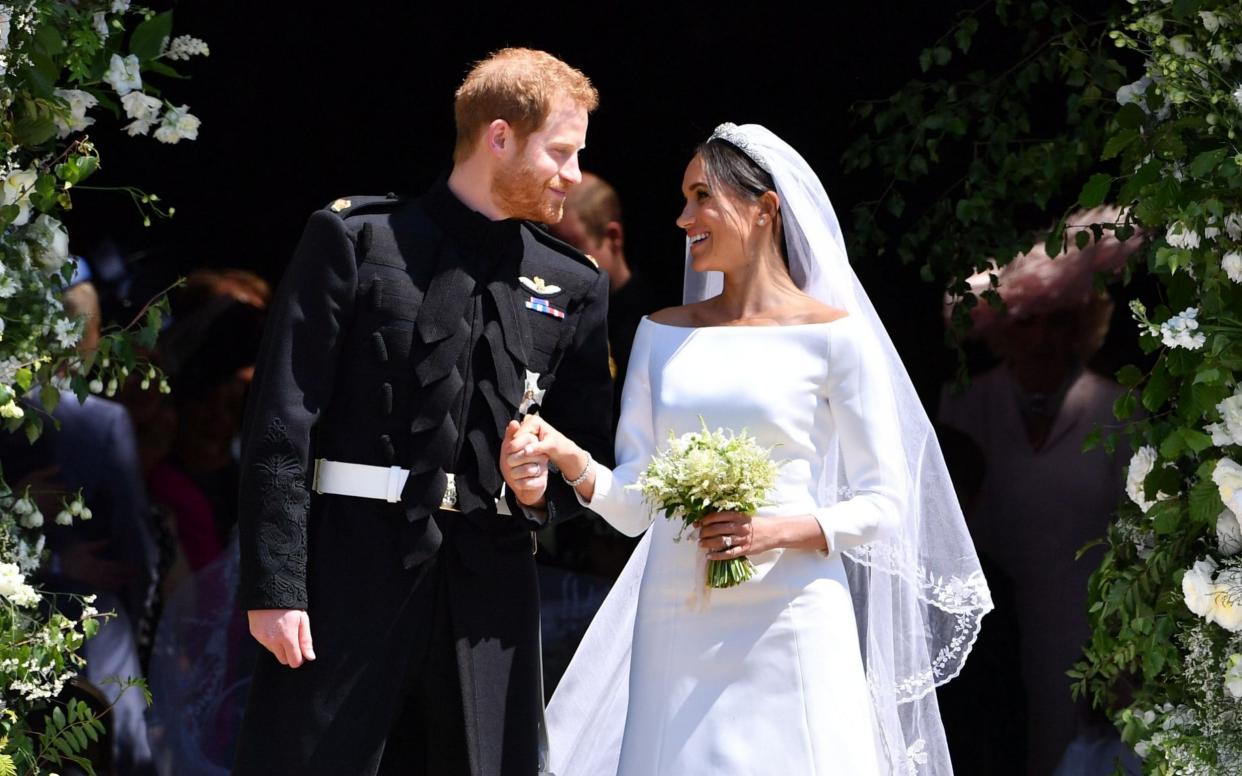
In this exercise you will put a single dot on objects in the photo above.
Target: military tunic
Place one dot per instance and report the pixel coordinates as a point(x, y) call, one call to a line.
point(408, 332)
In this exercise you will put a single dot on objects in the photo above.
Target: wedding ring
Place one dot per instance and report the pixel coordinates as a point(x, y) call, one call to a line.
point(728, 541)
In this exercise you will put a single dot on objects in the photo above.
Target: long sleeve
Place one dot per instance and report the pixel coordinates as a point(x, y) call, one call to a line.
point(293, 384)
point(621, 506)
point(860, 398)
point(579, 403)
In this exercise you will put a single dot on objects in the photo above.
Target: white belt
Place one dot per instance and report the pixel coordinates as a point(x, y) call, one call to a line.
point(361, 480)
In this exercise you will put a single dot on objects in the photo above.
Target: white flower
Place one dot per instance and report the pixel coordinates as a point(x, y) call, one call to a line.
point(1231, 263)
point(18, 187)
point(1233, 676)
point(1227, 600)
point(1134, 92)
point(124, 74)
point(77, 120)
point(96, 386)
point(1228, 478)
point(1221, 55)
point(1211, 22)
point(67, 333)
point(1228, 533)
point(184, 47)
point(1180, 236)
point(11, 410)
point(1233, 226)
point(119, 6)
point(32, 520)
point(13, 586)
point(1237, 97)
point(1142, 749)
point(100, 22)
point(1229, 432)
point(23, 506)
point(1198, 587)
point(64, 518)
point(6, 21)
point(143, 109)
point(1181, 45)
point(49, 243)
point(1141, 465)
point(87, 514)
point(177, 124)
point(1179, 331)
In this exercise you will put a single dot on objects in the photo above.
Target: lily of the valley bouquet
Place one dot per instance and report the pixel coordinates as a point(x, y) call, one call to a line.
point(710, 471)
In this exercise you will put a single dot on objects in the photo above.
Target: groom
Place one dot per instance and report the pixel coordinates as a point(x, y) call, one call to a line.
point(405, 336)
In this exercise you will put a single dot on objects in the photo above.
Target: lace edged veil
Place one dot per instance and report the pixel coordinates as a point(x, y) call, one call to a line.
point(919, 595)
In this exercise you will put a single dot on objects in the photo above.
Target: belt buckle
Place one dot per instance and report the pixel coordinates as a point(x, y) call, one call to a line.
point(448, 502)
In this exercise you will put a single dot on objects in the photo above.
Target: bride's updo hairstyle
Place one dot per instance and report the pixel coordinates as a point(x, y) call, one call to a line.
point(729, 169)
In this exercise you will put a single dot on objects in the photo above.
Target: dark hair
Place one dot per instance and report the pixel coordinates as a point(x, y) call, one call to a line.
point(727, 167)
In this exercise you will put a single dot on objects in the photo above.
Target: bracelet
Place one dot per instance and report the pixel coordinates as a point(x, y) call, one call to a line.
point(581, 478)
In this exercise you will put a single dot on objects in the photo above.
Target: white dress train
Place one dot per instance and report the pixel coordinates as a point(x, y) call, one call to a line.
point(766, 677)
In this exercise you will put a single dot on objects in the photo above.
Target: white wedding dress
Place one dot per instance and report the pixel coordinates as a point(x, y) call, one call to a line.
point(767, 677)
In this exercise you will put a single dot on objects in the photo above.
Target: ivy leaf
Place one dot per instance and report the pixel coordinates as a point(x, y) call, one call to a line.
point(1095, 190)
point(149, 37)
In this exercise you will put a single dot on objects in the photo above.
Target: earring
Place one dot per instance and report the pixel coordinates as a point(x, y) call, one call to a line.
point(763, 220)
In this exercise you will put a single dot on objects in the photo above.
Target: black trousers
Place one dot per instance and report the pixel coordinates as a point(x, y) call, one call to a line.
point(429, 671)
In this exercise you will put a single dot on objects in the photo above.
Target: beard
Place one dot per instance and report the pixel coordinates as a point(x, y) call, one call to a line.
point(519, 190)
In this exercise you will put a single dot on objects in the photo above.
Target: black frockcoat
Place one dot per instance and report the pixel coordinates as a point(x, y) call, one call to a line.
point(401, 335)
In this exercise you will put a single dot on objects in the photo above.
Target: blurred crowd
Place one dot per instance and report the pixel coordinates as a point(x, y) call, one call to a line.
point(160, 473)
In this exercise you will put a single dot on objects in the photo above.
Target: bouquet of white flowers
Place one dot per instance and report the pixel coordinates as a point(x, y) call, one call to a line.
point(710, 471)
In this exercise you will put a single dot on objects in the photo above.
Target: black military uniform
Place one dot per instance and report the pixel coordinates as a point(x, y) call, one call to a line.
point(404, 334)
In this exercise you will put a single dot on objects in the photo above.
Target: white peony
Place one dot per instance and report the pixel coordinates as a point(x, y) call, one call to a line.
point(18, 187)
point(13, 586)
point(1228, 478)
point(1231, 263)
point(178, 124)
point(79, 103)
point(143, 109)
point(124, 74)
point(1180, 330)
point(49, 243)
point(1228, 533)
point(1198, 587)
point(1141, 465)
point(1181, 236)
point(1226, 608)
point(1233, 676)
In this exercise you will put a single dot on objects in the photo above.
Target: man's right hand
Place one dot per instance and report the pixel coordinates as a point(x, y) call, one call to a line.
point(285, 633)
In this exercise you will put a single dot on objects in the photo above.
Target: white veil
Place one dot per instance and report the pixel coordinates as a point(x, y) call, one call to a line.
point(919, 595)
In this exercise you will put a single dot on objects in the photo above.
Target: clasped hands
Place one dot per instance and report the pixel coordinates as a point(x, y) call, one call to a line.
point(526, 452)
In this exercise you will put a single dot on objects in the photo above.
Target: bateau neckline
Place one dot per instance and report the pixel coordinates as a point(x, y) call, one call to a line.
point(778, 326)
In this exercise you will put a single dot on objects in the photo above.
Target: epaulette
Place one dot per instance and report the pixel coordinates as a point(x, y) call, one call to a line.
point(355, 206)
point(542, 234)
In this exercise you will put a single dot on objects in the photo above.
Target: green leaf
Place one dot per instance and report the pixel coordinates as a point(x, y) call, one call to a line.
point(149, 37)
point(1205, 503)
point(1196, 440)
point(1165, 516)
point(1092, 440)
point(1082, 238)
point(1131, 116)
point(1095, 190)
point(1129, 376)
point(158, 66)
point(1207, 162)
point(1158, 388)
point(1118, 142)
point(1125, 405)
point(49, 397)
point(24, 378)
point(58, 718)
point(1172, 446)
point(965, 32)
point(1056, 240)
point(941, 55)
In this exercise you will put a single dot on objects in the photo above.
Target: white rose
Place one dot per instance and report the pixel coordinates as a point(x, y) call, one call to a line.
point(178, 124)
point(18, 187)
point(13, 586)
point(1141, 465)
point(1228, 478)
point(1228, 533)
point(1220, 434)
point(49, 243)
point(124, 74)
point(1233, 676)
point(1198, 586)
point(1227, 601)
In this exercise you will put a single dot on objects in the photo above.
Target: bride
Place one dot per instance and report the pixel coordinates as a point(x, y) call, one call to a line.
point(867, 593)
